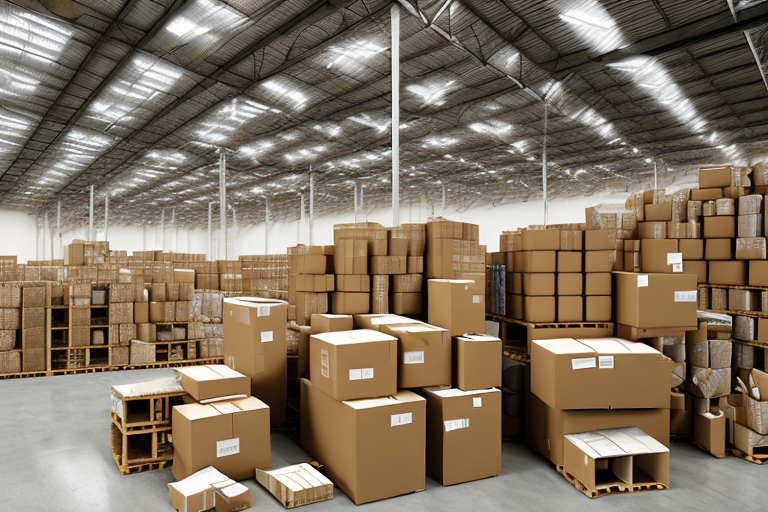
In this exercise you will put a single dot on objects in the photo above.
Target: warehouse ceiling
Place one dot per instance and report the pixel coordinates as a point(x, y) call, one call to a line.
point(139, 97)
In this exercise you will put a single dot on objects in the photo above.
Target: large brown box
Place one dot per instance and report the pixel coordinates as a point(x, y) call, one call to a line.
point(233, 437)
point(570, 308)
point(353, 283)
point(423, 355)
point(716, 177)
point(372, 449)
point(317, 283)
point(405, 303)
point(476, 362)
point(539, 309)
point(651, 230)
point(658, 212)
point(570, 284)
point(600, 373)
point(599, 261)
point(718, 249)
point(656, 300)
point(538, 261)
point(463, 434)
point(539, 284)
point(728, 272)
point(457, 305)
point(348, 365)
point(540, 239)
point(213, 381)
point(660, 256)
point(351, 257)
point(350, 303)
point(706, 194)
point(721, 226)
point(330, 323)
point(692, 248)
point(255, 345)
point(598, 308)
point(597, 283)
point(383, 265)
point(569, 261)
point(546, 426)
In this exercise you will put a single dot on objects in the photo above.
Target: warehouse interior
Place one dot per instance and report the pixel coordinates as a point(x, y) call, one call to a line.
point(561, 202)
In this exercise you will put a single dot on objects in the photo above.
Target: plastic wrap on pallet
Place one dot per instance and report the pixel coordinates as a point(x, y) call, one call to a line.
point(719, 298)
point(698, 355)
point(675, 351)
point(679, 211)
point(743, 300)
point(751, 205)
point(162, 386)
point(694, 229)
point(710, 383)
point(678, 375)
point(211, 347)
point(756, 245)
point(725, 206)
point(694, 210)
point(720, 353)
point(743, 356)
point(214, 330)
point(677, 230)
point(750, 226)
point(744, 328)
point(10, 362)
point(499, 289)
point(708, 209)
point(703, 302)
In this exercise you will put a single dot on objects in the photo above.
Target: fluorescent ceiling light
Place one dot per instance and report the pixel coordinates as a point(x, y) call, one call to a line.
point(431, 94)
point(182, 26)
point(355, 51)
point(591, 22)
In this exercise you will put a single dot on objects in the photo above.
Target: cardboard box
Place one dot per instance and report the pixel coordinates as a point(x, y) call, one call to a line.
point(692, 249)
point(183, 275)
point(723, 226)
point(316, 283)
point(718, 249)
point(384, 265)
point(407, 283)
point(415, 265)
point(709, 432)
point(330, 323)
point(698, 268)
point(350, 303)
point(750, 226)
point(213, 381)
point(681, 414)
point(255, 345)
point(353, 364)
point(658, 212)
point(651, 230)
point(423, 355)
point(199, 491)
point(570, 308)
point(477, 362)
point(516, 281)
point(539, 284)
point(540, 239)
point(599, 261)
point(598, 308)
point(463, 434)
point(538, 261)
point(376, 322)
point(353, 283)
point(546, 427)
point(162, 312)
point(728, 272)
point(233, 437)
point(310, 264)
point(297, 485)
point(716, 177)
point(539, 309)
point(141, 312)
point(569, 261)
point(606, 458)
point(599, 239)
point(597, 283)
point(570, 284)
point(207, 281)
point(397, 246)
point(600, 373)
point(709, 382)
point(706, 194)
point(351, 257)
point(750, 248)
point(656, 300)
point(405, 303)
point(372, 449)
point(457, 305)
point(661, 256)
point(758, 273)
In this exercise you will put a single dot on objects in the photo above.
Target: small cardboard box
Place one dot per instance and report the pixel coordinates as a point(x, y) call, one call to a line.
point(298, 485)
point(692, 248)
point(405, 303)
point(706, 194)
point(232, 436)
point(728, 272)
point(598, 308)
point(350, 303)
point(597, 283)
point(463, 434)
point(599, 261)
point(571, 283)
point(330, 323)
point(539, 284)
point(718, 249)
point(407, 283)
point(600, 373)
point(716, 177)
point(661, 256)
point(540, 239)
point(384, 265)
point(353, 283)
point(658, 212)
point(141, 312)
point(317, 283)
point(310, 264)
point(213, 381)
point(569, 261)
point(538, 261)
point(758, 273)
point(477, 361)
point(681, 414)
point(709, 432)
point(656, 300)
point(423, 355)
point(348, 365)
point(650, 230)
point(599, 239)
point(183, 275)
point(200, 491)
point(539, 309)
point(616, 457)
point(722, 226)
point(372, 449)
point(570, 308)
point(457, 305)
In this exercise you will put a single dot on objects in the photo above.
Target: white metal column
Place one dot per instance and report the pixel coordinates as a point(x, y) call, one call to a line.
point(210, 231)
point(175, 241)
point(162, 229)
point(46, 230)
point(266, 226)
point(58, 227)
point(544, 164)
point(395, 72)
point(354, 189)
point(223, 203)
point(301, 221)
point(90, 218)
point(655, 176)
point(106, 217)
point(311, 202)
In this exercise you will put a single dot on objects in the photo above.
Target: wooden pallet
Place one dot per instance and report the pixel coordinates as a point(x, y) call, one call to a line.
point(636, 333)
point(142, 468)
point(613, 489)
point(758, 458)
point(153, 454)
point(715, 455)
point(515, 355)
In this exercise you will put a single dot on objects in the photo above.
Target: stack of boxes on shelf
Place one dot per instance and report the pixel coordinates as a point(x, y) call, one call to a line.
point(406, 297)
point(357, 248)
point(310, 280)
point(265, 276)
point(122, 321)
point(10, 325)
point(34, 298)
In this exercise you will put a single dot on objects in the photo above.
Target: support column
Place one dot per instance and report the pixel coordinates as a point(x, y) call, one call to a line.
point(58, 227)
point(162, 230)
point(90, 218)
point(266, 226)
point(223, 203)
point(544, 164)
point(46, 230)
point(311, 202)
point(210, 232)
point(655, 176)
point(106, 217)
point(395, 72)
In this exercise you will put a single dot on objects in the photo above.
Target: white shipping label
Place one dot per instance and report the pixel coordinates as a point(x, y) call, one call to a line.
point(228, 447)
point(475, 299)
point(686, 296)
point(401, 419)
point(677, 268)
point(355, 374)
point(413, 357)
point(642, 280)
point(477, 401)
point(262, 311)
point(583, 363)
point(267, 336)
point(325, 369)
point(456, 424)
point(674, 257)
point(605, 362)
point(366, 373)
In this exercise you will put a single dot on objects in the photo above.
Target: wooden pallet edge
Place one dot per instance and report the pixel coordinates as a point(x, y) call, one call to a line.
point(627, 489)
point(705, 450)
point(749, 458)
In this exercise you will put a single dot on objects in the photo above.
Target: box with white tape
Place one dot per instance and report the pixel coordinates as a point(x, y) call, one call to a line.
point(600, 373)
point(373, 448)
point(423, 355)
point(650, 301)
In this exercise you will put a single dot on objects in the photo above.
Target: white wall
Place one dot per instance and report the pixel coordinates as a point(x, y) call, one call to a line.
point(18, 232)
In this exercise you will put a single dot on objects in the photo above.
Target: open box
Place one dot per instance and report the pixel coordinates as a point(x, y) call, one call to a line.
point(615, 460)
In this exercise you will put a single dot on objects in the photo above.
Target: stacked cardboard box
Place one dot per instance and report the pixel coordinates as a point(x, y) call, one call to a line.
point(10, 325)
point(309, 282)
point(747, 413)
point(34, 297)
point(453, 250)
point(230, 430)
point(406, 296)
point(265, 276)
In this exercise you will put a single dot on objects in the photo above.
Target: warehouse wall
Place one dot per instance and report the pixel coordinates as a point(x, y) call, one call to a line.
point(18, 231)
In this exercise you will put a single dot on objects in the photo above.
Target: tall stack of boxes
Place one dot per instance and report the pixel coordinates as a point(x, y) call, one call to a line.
point(309, 282)
point(122, 322)
point(600, 257)
point(34, 298)
point(353, 244)
point(406, 296)
point(10, 324)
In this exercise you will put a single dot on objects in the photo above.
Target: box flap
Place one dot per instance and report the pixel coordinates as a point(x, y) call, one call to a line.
point(196, 411)
point(616, 442)
point(478, 337)
point(454, 392)
point(249, 404)
point(563, 346)
point(605, 345)
point(353, 337)
point(199, 373)
point(401, 397)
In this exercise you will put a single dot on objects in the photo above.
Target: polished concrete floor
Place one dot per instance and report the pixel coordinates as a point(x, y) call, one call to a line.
point(55, 456)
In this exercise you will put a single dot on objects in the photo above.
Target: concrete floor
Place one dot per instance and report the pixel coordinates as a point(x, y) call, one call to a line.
point(54, 455)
